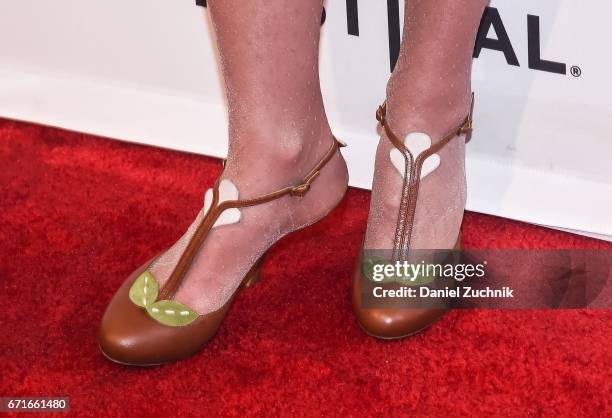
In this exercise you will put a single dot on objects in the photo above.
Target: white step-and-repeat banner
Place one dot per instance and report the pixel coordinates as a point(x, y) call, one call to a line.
point(146, 71)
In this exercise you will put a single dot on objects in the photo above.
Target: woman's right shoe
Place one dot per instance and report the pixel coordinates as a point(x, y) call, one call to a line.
point(143, 325)
point(393, 323)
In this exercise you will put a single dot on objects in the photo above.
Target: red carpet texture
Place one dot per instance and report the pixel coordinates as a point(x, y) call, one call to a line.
point(79, 213)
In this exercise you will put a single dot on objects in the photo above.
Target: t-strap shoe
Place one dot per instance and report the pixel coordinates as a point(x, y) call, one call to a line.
point(414, 159)
point(143, 325)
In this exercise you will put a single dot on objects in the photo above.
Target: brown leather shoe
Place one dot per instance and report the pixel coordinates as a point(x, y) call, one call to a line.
point(394, 323)
point(144, 326)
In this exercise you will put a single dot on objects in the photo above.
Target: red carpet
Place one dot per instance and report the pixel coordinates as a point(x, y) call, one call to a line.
point(78, 213)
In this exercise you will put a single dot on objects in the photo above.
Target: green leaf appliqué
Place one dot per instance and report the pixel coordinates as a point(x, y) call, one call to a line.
point(422, 278)
point(171, 313)
point(144, 290)
point(373, 268)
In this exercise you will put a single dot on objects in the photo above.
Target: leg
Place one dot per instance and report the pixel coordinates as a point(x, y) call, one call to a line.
point(278, 135)
point(269, 61)
point(429, 91)
point(277, 129)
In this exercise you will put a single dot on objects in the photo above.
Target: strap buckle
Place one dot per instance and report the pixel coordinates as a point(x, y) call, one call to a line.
point(301, 189)
point(381, 112)
point(466, 128)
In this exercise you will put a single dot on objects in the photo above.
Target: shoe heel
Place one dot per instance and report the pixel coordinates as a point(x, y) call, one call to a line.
point(254, 275)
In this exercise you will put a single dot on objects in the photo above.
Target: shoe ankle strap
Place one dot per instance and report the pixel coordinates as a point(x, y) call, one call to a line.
point(464, 129)
point(412, 175)
point(216, 208)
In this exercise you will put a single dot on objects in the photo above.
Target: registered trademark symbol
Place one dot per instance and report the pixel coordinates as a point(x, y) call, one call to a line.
point(575, 71)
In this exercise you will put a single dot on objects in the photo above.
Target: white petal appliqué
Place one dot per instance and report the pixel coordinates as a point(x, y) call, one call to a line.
point(227, 191)
point(416, 142)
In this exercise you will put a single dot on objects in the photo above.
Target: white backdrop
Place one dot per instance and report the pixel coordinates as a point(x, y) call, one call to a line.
point(145, 71)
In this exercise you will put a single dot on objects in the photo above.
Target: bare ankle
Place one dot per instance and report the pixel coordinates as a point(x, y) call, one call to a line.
point(285, 147)
point(262, 159)
point(434, 110)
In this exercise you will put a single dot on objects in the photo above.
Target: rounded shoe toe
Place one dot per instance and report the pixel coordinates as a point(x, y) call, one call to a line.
point(127, 334)
point(389, 323)
point(395, 323)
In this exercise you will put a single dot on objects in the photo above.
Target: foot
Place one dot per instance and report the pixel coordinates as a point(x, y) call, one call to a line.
point(230, 250)
point(440, 202)
point(442, 193)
